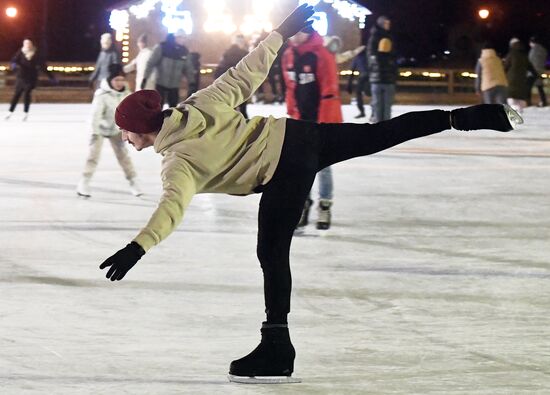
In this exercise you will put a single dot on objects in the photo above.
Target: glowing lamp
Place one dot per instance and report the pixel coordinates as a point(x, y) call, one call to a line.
point(11, 12)
point(484, 13)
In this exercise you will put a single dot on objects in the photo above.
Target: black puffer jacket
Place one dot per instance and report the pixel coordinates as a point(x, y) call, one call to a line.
point(230, 59)
point(381, 57)
point(27, 69)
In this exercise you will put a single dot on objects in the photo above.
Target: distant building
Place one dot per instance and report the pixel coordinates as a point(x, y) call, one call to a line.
point(210, 24)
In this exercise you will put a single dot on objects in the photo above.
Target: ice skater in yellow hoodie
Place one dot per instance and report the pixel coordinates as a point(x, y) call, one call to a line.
point(208, 147)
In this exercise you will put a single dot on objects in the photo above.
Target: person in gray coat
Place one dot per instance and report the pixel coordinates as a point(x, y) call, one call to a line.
point(171, 60)
point(537, 56)
point(105, 59)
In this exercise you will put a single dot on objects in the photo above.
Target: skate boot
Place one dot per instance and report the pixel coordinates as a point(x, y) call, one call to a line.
point(323, 221)
point(499, 117)
point(25, 117)
point(134, 188)
point(83, 188)
point(304, 219)
point(7, 117)
point(272, 362)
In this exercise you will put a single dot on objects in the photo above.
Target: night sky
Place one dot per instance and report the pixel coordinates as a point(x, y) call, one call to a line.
point(421, 27)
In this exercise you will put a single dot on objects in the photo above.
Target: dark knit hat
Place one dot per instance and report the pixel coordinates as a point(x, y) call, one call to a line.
point(115, 70)
point(140, 112)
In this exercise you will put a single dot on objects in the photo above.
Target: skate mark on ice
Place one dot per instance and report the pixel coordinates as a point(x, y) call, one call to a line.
point(428, 271)
point(106, 379)
point(524, 263)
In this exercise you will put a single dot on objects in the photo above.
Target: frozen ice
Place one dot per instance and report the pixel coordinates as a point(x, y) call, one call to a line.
point(435, 277)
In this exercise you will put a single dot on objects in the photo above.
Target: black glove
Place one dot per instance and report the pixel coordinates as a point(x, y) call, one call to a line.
point(143, 82)
point(296, 21)
point(123, 261)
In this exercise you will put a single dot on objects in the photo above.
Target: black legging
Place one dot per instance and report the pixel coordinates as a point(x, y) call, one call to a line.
point(362, 88)
point(309, 147)
point(25, 89)
point(169, 95)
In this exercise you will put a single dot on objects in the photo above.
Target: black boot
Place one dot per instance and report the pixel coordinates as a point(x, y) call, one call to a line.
point(304, 219)
point(274, 356)
point(499, 117)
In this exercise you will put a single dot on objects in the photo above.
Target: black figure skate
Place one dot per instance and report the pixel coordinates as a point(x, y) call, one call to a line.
point(500, 117)
point(272, 362)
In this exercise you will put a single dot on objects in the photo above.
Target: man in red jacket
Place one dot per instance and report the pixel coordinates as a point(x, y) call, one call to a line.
point(311, 78)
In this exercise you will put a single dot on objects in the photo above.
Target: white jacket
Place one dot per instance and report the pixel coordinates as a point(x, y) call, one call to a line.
point(105, 102)
point(138, 64)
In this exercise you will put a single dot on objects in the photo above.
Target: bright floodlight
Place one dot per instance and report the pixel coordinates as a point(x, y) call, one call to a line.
point(11, 12)
point(484, 13)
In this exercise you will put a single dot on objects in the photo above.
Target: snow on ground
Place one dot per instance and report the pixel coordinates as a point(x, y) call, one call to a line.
point(435, 277)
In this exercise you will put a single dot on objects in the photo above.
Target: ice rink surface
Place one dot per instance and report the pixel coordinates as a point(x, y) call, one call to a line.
point(434, 279)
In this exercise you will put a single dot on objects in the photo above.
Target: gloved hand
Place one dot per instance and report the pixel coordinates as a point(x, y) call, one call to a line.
point(123, 261)
point(143, 82)
point(296, 21)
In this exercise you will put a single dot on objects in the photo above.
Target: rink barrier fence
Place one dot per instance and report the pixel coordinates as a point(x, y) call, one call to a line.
point(414, 86)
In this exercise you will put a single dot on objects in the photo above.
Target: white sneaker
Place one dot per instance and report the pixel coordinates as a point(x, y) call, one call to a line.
point(135, 189)
point(83, 188)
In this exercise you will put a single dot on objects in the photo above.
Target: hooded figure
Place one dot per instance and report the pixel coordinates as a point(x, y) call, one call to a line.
point(313, 94)
point(107, 56)
point(112, 90)
point(171, 61)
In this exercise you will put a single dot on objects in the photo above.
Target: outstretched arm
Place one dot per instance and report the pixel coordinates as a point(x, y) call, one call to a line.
point(239, 83)
point(179, 187)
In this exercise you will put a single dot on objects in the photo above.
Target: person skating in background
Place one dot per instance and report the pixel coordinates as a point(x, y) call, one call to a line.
point(538, 55)
point(359, 65)
point(139, 64)
point(517, 66)
point(230, 58)
point(208, 147)
point(106, 98)
point(382, 69)
point(107, 56)
point(491, 80)
point(334, 46)
point(195, 81)
point(172, 62)
point(313, 94)
point(27, 63)
point(274, 78)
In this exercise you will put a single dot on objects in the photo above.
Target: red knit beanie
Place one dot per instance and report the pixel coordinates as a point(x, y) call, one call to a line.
point(140, 112)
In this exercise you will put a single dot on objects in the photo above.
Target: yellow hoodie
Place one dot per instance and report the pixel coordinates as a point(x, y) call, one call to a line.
point(208, 147)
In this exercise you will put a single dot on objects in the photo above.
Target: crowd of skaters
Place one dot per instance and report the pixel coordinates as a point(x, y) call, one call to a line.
point(511, 80)
point(304, 76)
